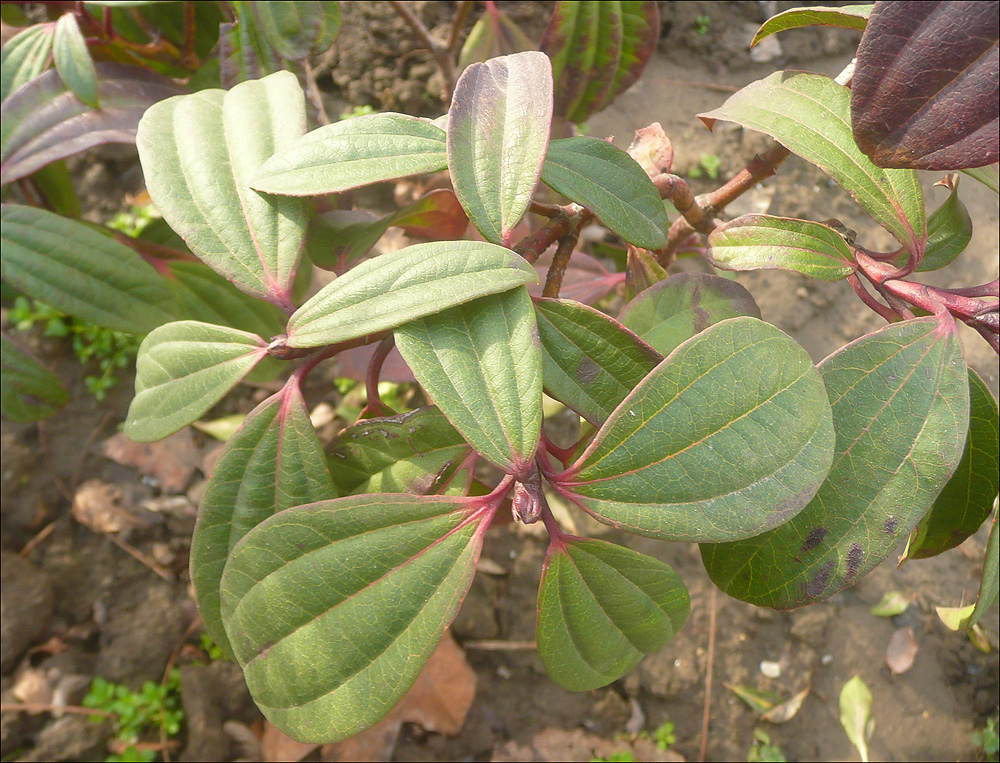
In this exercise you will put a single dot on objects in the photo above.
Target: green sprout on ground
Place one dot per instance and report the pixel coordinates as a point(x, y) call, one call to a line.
point(112, 350)
point(664, 736)
point(153, 709)
point(133, 220)
point(708, 166)
point(763, 750)
point(624, 756)
point(988, 740)
point(701, 24)
point(357, 111)
point(209, 647)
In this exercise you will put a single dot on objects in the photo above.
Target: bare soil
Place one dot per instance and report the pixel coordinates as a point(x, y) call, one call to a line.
point(111, 615)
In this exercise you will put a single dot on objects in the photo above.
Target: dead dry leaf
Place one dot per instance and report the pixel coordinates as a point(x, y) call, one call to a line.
point(32, 687)
point(902, 650)
point(786, 710)
point(438, 701)
point(98, 506)
point(171, 461)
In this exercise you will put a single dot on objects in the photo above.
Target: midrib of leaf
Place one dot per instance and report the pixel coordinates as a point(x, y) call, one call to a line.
point(473, 517)
point(621, 407)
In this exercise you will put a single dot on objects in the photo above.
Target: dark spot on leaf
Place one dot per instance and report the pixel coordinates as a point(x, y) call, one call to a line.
point(891, 523)
point(814, 538)
point(855, 555)
point(818, 581)
point(586, 371)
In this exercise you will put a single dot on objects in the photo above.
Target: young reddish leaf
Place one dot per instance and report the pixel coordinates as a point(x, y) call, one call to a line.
point(601, 609)
point(493, 35)
point(409, 453)
point(900, 399)
point(353, 153)
point(966, 501)
point(590, 362)
point(598, 51)
point(24, 57)
point(809, 114)
point(665, 463)
point(199, 153)
point(611, 184)
point(641, 271)
point(924, 94)
point(183, 369)
point(44, 121)
point(29, 390)
point(755, 242)
point(674, 310)
point(437, 214)
point(272, 462)
point(333, 608)
point(846, 16)
point(481, 365)
point(73, 61)
point(75, 269)
point(297, 28)
point(498, 131)
point(411, 283)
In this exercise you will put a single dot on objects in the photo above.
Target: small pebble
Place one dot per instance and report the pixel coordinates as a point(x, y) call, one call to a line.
point(770, 669)
point(826, 659)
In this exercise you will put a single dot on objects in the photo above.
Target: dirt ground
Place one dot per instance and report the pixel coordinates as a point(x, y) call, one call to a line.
point(76, 605)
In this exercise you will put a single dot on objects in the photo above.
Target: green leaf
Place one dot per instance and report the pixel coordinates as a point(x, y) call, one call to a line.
point(202, 293)
point(856, 714)
point(847, 17)
point(891, 604)
point(243, 52)
point(674, 310)
point(24, 57)
point(481, 364)
point(198, 154)
point(727, 437)
point(73, 61)
point(641, 271)
point(494, 34)
point(333, 608)
point(353, 153)
point(590, 362)
point(498, 130)
point(182, 370)
point(609, 182)
point(413, 282)
point(296, 28)
point(900, 399)
point(965, 502)
point(755, 242)
point(989, 583)
point(598, 51)
point(809, 114)
point(408, 453)
point(601, 608)
point(949, 231)
point(81, 272)
point(29, 390)
point(988, 176)
point(272, 462)
point(54, 183)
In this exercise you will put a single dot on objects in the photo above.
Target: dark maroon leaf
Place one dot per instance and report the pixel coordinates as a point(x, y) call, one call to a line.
point(44, 121)
point(925, 93)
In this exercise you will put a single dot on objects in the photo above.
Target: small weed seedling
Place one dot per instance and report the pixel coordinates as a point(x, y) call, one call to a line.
point(988, 741)
point(330, 574)
point(763, 750)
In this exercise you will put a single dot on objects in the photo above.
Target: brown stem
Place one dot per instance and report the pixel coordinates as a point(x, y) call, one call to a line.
point(707, 713)
point(439, 51)
point(554, 279)
point(374, 405)
point(44, 707)
point(545, 210)
point(532, 246)
point(190, 59)
point(455, 33)
point(312, 90)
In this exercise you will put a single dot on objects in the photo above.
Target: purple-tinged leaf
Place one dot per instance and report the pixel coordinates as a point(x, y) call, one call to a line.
point(272, 462)
point(243, 53)
point(296, 28)
point(590, 362)
point(28, 390)
point(641, 271)
point(333, 608)
point(586, 280)
point(900, 399)
point(925, 93)
point(846, 17)
point(967, 499)
point(652, 149)
point(24, 57)
point(674, 310)
point(498, 132)
point(571, 42)
point(755, 242)
point(73, 61)
point(199, 153)
point(44, 121)
point(809, 114)
point(640, 33)
point(665, 463)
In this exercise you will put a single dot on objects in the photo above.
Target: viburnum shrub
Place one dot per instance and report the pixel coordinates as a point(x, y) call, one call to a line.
point(330, 576)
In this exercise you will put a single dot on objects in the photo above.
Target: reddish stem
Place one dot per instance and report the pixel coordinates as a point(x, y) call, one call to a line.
point(374, 405)
point(869, 300)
